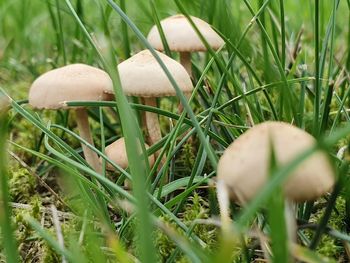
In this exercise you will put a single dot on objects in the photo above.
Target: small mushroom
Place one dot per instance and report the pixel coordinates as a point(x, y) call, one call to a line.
point(4, 103)
point(75, 82)
point(181, 37)
point(243, 169)
point(142, 76)
point(116, 151)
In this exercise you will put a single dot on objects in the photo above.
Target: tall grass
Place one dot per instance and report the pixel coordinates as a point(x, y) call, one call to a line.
point(6, 228)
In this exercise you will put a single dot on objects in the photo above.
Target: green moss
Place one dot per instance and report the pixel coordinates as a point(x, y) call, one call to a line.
point(22, 185)
point(25, 134)
point(48, 255)
point(187, 156)
point(196, 208)
point(329, 246)
point(164, 244)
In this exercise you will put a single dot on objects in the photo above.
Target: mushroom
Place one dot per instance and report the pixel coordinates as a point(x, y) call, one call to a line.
point(243, 169)
point(141, 75)
point(181, 37)
point(4, 103)
point(116, 151)
point(73, 82)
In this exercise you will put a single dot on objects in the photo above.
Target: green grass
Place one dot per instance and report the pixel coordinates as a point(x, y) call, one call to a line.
point(282, 60)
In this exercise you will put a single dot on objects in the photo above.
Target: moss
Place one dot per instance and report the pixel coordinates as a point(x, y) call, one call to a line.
point(22, 185)
point(187, 156)
point(25, 134)
point(329, 246)
point(196, 208)
point(48, 255)
point(30, 247)
point(164, 244)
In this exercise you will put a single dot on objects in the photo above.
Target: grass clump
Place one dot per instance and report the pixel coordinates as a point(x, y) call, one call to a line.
point(195, 209)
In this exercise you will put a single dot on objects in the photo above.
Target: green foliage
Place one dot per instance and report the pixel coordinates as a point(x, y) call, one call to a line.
point(329, 246)
point(196, 208)
point(22, 185)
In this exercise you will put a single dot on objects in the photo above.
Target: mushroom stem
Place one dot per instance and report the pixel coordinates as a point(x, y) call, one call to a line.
point(154, 134)
point(185, 60)
point(152, 122)
point(85, 133)
point(180, 107)
point(289, 214)
point(224, 206)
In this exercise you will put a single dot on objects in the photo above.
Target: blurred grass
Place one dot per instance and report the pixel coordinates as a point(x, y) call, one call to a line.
point(6, 227)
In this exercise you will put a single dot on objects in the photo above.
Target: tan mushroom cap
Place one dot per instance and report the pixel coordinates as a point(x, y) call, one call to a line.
point(181, 36)
point(245, 163)
point(4, 103)
point(116, 151)
point(75, 82)
point(142, 76)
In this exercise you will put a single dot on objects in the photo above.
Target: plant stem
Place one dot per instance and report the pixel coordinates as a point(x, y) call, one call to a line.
point(126, 43)
point(283, 35)
point(85, 133)
point(9, 245)
point(60, 35)
point(151, 122)
point(185, 60)
point(291, 224)
point(224, 206)
point(317, 71)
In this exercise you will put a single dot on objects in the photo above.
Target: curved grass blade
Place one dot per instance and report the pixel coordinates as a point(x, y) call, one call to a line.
point(180, 183)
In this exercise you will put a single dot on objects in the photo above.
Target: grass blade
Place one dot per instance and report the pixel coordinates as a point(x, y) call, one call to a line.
point(7, 233)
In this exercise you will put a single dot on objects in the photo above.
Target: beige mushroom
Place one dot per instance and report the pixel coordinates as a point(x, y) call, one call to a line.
point(141, 75)
point(116, 151)
point(76, 82)
point(4, 103)
point(243, 169)
point(244, 165)
point(181, 37)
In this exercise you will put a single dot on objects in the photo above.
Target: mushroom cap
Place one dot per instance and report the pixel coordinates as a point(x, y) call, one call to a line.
point(75, 82)
point(4, 104)
point(116, 151)
point(141, 75)
point(181, 36)
point(245, 163)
